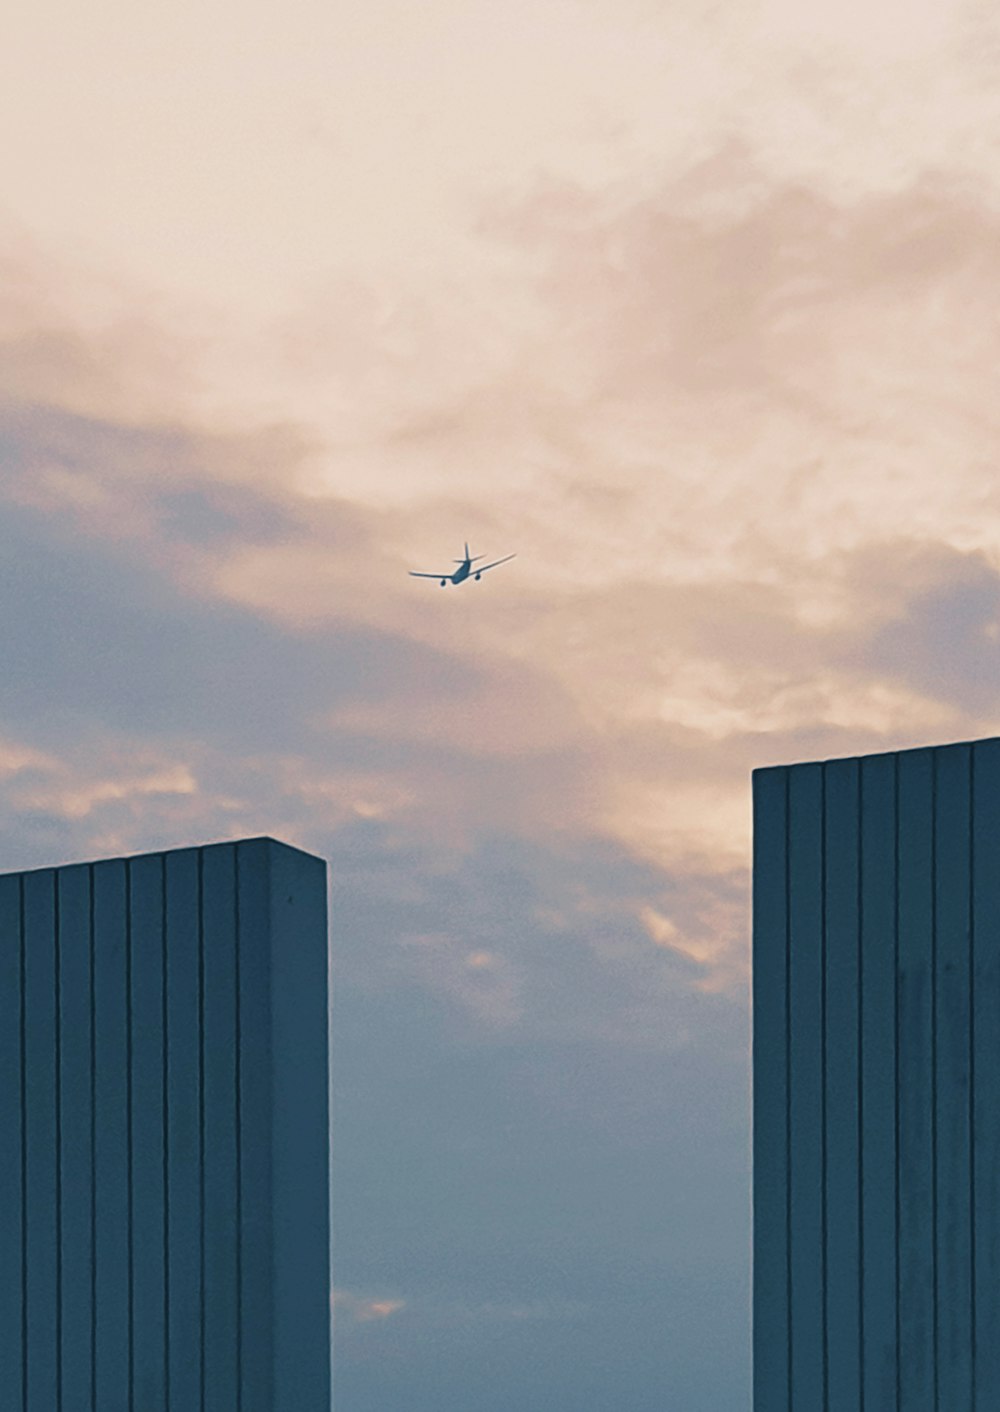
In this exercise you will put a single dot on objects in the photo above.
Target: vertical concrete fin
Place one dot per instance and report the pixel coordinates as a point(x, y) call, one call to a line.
point(301, 1122)
point(771, 1280)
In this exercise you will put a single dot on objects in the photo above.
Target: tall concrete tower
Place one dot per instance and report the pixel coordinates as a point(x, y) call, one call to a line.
point(164, 1238)
point(876, 1083)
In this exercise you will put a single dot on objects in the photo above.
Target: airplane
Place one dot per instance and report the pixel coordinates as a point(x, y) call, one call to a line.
point(464, 569)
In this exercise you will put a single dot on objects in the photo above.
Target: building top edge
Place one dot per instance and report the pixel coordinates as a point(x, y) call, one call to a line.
point(933, 749)
point(163, 852)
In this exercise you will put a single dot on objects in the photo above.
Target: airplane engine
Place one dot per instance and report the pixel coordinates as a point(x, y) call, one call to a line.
point(443, 582)
point(478, 577)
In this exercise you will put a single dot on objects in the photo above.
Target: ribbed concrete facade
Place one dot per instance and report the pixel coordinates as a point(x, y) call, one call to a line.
point(876, 1083)
point(164, 1134)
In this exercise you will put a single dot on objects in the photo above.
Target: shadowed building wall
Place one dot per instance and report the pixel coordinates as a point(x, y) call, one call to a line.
point(876, 1083)
point(164, 1134)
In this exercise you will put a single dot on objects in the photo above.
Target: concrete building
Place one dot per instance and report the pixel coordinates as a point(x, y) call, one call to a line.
point(876, 1083)
point(164, 1238)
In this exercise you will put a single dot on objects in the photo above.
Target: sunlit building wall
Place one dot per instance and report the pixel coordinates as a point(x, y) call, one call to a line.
point(164, 1134)
point(876, 1083)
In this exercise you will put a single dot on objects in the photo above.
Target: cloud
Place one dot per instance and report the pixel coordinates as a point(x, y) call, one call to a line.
point(713, 570)
point(145, 707)
point(564, 927)
point(361, 1310)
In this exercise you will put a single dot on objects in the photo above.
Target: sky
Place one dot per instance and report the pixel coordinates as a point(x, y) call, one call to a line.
point(690, 305)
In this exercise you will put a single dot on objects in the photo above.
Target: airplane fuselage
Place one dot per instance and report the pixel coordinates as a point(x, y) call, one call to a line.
point(462, 572)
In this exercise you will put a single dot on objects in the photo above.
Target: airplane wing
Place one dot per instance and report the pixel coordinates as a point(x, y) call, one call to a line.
point(494, 564)
point(416, 575)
